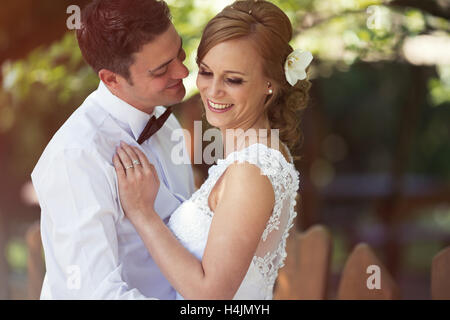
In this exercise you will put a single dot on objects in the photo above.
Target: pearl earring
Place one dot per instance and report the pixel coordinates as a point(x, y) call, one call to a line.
point(270, 90)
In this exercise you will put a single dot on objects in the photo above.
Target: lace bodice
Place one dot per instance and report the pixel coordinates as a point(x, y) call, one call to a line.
point(191, 221)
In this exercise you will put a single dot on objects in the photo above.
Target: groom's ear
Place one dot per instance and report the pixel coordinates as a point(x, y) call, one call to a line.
point(109, 78)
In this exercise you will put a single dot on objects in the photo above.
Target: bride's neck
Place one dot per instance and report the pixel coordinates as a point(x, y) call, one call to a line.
point(236, 139)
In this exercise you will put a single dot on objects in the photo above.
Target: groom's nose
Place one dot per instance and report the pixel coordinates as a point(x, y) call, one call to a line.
point(179, 70)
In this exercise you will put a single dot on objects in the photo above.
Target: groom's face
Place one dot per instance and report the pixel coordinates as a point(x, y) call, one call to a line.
point(157, 73)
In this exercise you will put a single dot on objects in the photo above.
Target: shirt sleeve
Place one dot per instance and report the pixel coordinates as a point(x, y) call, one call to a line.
point(77, 193)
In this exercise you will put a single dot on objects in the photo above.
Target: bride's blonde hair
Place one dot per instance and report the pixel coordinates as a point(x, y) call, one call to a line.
point(270, 30)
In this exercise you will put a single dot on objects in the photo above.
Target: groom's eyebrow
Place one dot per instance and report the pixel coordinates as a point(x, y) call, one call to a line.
point(166, 63)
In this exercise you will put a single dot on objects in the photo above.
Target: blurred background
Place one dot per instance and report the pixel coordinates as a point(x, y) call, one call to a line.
point(375, 164)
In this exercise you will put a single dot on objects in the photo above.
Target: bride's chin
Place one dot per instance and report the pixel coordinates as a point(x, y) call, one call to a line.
point(214, 122)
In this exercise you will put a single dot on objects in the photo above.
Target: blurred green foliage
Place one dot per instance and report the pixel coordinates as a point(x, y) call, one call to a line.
point(16, 255)
point(39, 93)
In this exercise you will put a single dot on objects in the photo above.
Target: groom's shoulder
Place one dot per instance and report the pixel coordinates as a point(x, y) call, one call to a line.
point(80, 132)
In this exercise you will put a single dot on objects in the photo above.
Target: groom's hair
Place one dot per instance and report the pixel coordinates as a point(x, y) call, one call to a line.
point(112, 31)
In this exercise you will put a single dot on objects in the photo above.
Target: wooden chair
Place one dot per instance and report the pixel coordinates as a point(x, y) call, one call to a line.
point(440, 275)
point(35, 261)
point(358, 274)
point(307, 265)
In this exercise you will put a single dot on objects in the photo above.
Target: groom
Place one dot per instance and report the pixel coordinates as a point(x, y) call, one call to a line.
point(91, 250)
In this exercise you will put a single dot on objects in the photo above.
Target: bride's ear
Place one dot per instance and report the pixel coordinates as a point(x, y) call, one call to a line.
point(109, 78)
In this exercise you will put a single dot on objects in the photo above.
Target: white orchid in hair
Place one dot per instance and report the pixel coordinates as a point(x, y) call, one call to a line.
point(296, 64)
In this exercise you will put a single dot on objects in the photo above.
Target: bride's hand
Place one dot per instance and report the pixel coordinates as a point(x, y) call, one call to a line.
point(138, 182)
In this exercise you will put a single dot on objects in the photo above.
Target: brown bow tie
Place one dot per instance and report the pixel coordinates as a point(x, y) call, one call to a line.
point(154, 125)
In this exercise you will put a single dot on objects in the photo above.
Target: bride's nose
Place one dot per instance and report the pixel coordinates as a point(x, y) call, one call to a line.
point(215, 89)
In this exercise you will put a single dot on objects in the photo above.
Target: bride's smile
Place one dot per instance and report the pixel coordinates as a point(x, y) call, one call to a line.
point(219, 107)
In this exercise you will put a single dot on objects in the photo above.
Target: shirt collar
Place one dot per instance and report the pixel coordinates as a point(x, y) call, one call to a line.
point(121, 110)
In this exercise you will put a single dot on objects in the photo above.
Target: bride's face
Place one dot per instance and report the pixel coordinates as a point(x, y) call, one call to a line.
point(232, 85)
point(157, 72)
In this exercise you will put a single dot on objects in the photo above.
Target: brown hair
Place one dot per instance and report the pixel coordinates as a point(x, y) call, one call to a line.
point(270, 30)
point(113, 30)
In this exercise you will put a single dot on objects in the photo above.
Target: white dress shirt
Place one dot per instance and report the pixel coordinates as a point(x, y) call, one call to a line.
point(92, 251)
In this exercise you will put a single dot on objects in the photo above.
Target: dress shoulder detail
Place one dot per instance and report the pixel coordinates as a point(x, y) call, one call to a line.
point(281, 173)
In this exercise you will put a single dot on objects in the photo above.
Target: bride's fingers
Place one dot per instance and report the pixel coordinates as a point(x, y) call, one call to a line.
point(143, 159)
point(125, 159)
point(155, 173)
point(119, 167)
point(133, 156)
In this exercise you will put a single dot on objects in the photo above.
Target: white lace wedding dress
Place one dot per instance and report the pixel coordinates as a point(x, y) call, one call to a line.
point(191, 221)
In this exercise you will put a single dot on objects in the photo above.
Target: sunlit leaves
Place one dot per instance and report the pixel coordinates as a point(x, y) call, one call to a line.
point(440, 87)
point(414, 21)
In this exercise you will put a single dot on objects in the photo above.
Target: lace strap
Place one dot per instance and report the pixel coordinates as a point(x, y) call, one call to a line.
point(270, 161)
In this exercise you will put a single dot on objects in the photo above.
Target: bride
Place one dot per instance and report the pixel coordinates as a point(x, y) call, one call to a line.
point(228, 240)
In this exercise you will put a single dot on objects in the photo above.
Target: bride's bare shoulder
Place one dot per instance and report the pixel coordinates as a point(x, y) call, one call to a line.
point(245, 179)
point(239, 180)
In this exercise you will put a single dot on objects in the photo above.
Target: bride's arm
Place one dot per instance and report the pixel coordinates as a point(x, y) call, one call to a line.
point(239, 220)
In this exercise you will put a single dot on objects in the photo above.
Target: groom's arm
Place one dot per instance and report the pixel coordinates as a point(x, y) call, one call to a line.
point(78, 226)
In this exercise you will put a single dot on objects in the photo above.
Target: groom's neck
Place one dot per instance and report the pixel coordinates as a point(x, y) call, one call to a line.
point(133, 102)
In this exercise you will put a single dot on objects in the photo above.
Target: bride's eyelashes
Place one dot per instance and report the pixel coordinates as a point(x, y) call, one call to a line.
point(233, 81)
point(204, 73)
